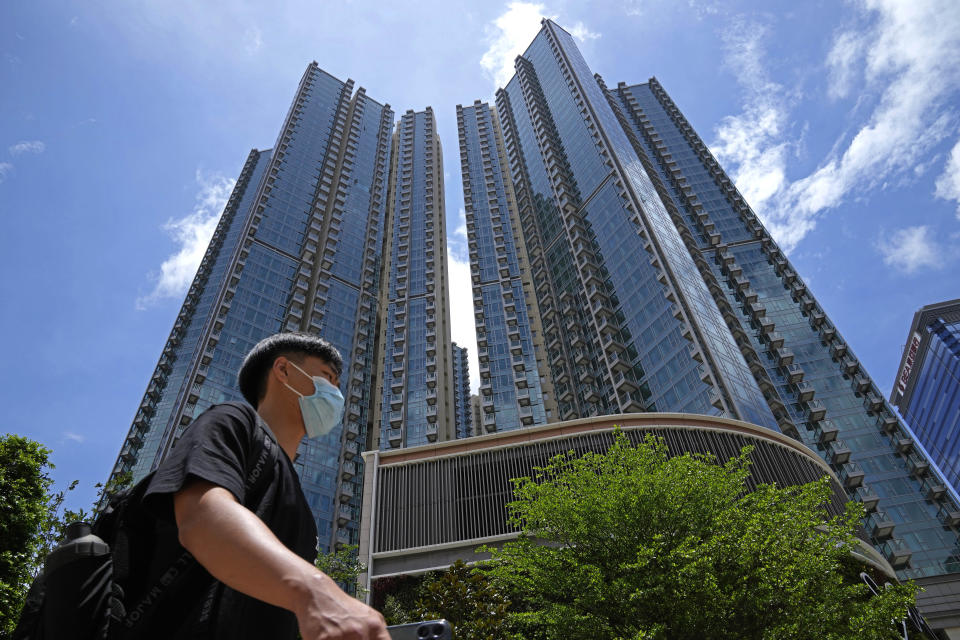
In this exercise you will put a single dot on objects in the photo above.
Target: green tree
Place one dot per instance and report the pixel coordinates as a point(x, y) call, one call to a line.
point(468, 600)
point(344, 567)
point(32, 519)
point(24, 512)
point(635, 544)
point(396, 596)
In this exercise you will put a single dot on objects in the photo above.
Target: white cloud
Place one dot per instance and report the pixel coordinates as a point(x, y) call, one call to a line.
point(751, 141)
point(253, 40)
point(462, 326)
point(908, 55)
point(457, 240)
point(26, 146)
point(5, 169)
point(512, 32)
point(948, 184)
point(582, 33)
point(842, 63)
point(911, 249)
point(509, 36)
point(699, 8)
point(75, 437)
point(192, 233)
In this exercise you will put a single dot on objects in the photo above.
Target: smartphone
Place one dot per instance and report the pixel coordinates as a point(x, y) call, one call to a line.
point(428, 630)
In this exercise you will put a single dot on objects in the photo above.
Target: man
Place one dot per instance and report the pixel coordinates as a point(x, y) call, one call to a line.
point(256, 543)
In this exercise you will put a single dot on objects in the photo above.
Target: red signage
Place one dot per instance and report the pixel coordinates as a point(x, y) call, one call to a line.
point(904, 376)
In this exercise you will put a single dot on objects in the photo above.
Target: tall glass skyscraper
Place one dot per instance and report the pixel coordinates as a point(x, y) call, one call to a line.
point(463, 424)
point(927, 388)
point(654, 287)
point(509, 336)
point(301, 247)
point(416, 389)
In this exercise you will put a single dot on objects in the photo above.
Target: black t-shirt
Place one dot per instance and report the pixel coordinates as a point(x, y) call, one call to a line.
point(231, 447)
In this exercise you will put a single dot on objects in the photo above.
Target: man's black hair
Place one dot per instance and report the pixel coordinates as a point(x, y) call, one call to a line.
point(252, 378)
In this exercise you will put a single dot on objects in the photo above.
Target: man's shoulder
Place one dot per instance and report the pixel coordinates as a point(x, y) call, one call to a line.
point(232, 415)
point(231, 424)
point(234, 409)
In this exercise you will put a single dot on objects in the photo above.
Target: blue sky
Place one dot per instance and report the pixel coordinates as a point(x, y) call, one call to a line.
point(124, 124)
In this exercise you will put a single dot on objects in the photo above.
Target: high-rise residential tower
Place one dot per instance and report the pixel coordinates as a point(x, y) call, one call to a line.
point(301, 246)
point(657, 288)
point(416, 390)
point(463, 425)
point(927, 388)
point(505, 310)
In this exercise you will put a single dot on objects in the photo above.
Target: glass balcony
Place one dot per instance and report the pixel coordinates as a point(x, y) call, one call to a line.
point(838, 452)
point(879, 525)
point(794, 373)
point(949, 515)
point(826, 431)
point(817, 410)
point(851, 475)
point(350, 449)
point(861, 383)
point(352, 430)
point(784, 356)
point(897, 553)
point(867, 497)
point(934, 489)
point(804, 391)
point(520, 379)
point(918, 465)
point(850, 365)
point(526, 415)
point(902, 444)
point(838, 349)
point(523, 396)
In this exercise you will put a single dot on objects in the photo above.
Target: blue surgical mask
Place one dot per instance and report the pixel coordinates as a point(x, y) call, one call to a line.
point(322, 410)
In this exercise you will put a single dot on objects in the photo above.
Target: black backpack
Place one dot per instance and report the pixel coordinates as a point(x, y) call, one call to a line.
point(92, 586)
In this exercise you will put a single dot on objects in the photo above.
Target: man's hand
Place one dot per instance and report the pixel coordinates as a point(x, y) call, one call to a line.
point(327, 613)
point(238, 549)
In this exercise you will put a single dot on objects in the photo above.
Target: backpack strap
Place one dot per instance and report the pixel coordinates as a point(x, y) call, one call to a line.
point(259, 475)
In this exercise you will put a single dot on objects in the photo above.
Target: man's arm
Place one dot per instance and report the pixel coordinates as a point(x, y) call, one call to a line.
point(238, 549)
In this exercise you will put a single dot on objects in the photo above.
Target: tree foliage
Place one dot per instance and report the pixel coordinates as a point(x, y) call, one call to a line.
point(637, 544)
point(24, 514)
point(32, 519)
point(344, 567)
point(468, 600)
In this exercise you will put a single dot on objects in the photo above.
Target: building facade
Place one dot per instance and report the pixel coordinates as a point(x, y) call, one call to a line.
point(416, 386)
point(927, 388)
point(412, 486)
point(509, 336)
point(463, 424)
point(301, 247)
point(656, 288)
